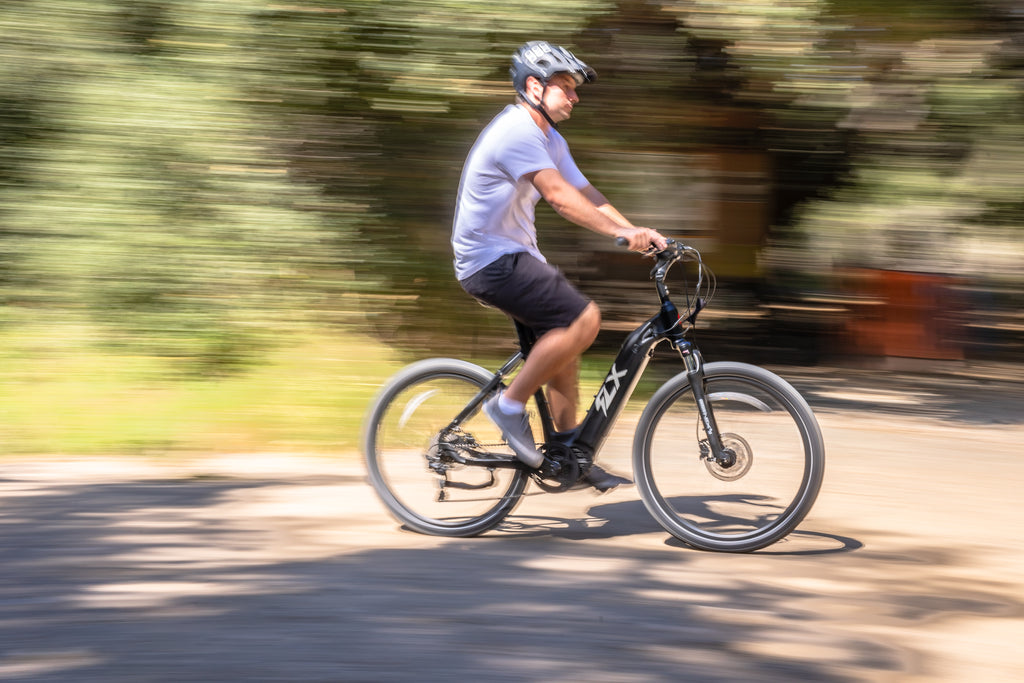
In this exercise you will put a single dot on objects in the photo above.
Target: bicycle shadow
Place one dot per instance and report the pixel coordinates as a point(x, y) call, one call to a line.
point(228, 579)
point(631, 518)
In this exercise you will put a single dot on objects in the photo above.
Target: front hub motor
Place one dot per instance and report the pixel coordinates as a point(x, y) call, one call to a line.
point(742, 458)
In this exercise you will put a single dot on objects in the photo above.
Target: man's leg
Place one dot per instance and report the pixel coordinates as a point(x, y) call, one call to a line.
point(564, 395)
point(554, 358)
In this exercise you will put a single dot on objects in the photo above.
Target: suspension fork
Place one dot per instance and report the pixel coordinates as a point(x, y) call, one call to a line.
point(711, 446)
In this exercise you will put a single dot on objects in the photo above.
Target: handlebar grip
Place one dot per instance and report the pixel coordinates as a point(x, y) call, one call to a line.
point(623, 242)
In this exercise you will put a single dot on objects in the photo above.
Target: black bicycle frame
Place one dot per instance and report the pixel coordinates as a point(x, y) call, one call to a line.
point(626, 370)
point(618, 385)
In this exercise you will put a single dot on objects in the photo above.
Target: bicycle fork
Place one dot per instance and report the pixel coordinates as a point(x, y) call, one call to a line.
point(711, 447)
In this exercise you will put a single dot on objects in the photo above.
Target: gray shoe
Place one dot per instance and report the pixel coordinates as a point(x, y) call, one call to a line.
point(517, 432)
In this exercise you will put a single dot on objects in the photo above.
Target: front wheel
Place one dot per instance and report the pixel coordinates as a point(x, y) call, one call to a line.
point(413, 459)
point(773, 474)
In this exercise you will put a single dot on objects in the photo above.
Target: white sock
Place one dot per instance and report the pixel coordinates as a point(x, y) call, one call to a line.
point(510, 407)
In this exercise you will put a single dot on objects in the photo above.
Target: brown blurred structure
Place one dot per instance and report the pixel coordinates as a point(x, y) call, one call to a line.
point(911, 315)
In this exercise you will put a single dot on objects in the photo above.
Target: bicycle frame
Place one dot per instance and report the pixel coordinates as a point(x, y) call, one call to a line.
point(788, 451)
point(622, 378)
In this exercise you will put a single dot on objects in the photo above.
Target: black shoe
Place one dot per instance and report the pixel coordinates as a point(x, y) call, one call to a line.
point(602, 480)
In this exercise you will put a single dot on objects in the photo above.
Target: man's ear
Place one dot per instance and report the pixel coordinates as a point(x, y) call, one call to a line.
point(534, 88)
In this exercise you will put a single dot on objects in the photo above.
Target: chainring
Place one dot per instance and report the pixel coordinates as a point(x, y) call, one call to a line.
point(561, 469)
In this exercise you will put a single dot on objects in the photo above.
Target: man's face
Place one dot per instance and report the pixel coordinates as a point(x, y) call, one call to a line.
point(559, 97)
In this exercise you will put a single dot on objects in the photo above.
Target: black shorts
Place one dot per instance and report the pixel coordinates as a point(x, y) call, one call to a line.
point(533, 292)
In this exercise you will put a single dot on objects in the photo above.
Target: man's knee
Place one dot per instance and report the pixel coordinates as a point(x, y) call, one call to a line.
point(588, 323)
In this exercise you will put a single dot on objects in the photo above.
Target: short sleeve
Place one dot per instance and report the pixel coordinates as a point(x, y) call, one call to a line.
point(524, 151)
point(564, 162)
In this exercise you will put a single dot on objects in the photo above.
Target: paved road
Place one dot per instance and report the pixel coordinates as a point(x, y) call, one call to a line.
point(278, 568)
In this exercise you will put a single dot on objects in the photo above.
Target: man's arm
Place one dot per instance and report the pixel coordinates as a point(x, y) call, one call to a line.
point(590, 209)
point(604, 206)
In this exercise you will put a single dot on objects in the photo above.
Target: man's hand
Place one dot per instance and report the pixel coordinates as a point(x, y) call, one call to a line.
point(642, 239)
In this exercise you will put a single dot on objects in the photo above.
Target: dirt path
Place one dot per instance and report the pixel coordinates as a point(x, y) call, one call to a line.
point(265, 568)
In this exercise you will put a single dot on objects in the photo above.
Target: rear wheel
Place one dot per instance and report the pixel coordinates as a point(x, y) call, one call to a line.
point(773, 474)
point(412, 463)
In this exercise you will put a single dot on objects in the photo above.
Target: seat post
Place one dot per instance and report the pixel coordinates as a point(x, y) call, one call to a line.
point(527, 337)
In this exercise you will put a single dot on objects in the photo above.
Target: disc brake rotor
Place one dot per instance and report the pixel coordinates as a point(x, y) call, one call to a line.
point(744, 458)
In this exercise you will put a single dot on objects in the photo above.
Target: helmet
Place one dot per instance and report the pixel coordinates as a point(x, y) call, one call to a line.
point(542, 60)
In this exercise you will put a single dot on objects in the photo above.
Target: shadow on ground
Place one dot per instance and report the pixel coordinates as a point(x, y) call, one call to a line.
point(979, 396)
point(150, 580)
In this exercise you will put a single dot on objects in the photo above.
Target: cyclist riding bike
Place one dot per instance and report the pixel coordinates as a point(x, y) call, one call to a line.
point(517, 159)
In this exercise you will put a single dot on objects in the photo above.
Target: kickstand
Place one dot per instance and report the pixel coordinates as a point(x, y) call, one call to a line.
point(444, 483)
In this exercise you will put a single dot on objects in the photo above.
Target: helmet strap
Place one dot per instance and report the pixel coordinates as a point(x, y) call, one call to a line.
point(539, 106)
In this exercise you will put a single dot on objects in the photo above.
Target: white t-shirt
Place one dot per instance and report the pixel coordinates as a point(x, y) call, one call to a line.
point(494, 212)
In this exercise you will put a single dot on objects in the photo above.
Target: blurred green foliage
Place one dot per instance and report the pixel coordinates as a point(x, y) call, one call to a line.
point(141, 191)
point(198, 182)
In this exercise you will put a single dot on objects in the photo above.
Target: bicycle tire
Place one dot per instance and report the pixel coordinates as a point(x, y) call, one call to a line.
point(758, 500)
point(400, 436)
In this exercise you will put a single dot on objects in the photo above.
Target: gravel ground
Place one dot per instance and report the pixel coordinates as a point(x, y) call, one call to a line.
point(286, 568)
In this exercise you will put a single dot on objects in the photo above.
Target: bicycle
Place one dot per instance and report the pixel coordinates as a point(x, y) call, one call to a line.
point(744, 478)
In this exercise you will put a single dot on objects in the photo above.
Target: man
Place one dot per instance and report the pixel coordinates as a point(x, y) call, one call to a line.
point(517, 159)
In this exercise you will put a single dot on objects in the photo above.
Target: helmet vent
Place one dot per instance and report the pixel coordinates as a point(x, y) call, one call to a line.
point(543, 60)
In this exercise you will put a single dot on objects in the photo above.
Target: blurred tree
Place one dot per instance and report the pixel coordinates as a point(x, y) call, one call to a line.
point(936, 155)
point(141, 192)
point(191, 177)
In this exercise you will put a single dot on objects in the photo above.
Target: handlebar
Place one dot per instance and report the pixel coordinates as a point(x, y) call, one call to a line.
point(674, 252)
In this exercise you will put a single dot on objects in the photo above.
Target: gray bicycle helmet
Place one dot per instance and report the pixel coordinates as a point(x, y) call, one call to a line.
point(542, 60)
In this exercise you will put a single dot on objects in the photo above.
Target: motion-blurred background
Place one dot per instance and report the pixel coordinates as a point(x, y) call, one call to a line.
point(224, 222)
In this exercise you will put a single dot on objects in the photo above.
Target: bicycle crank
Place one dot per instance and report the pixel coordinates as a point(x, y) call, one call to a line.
point(560, 471)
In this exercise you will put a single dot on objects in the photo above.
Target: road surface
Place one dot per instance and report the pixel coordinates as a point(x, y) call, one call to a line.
point(286, 568)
